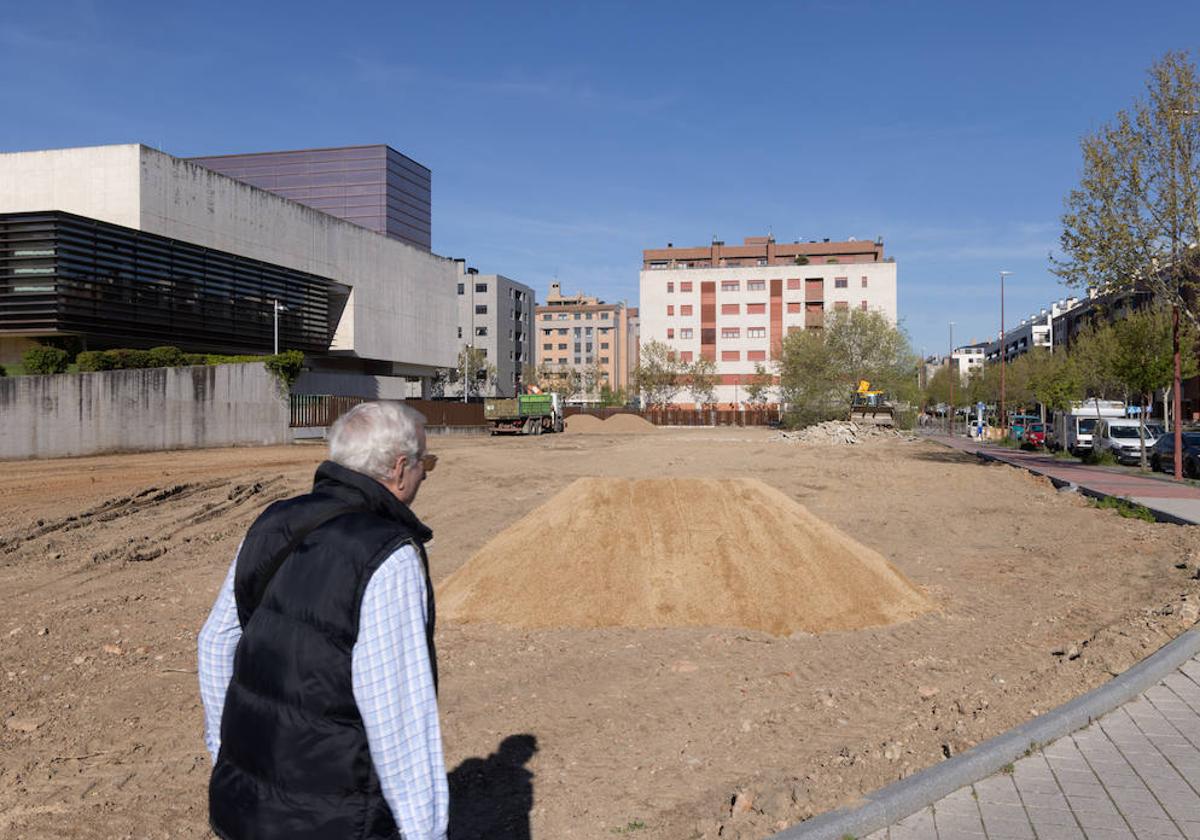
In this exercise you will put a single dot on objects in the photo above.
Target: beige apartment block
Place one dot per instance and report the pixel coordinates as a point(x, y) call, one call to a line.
point(734, 305)
point(579, 331)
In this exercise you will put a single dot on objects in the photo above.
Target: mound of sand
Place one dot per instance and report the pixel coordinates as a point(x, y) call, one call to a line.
point(585, 423)
point(609, 552)
point(628, 424)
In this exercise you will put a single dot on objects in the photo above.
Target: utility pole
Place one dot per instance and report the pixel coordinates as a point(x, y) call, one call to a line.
point(1003, 357)
point(276, 308)
point(950, 364)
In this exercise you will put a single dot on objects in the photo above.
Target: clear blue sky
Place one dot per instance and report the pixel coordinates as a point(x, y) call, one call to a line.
point(566, 137)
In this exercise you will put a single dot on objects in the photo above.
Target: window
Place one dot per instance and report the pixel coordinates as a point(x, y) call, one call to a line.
point(603, 316)
point(562, 331)
point(670, 332)
point(670, 288)
point(756, 355)
point(588, 316)
point(483, 352)
point(756, 285)
point(562, 316)
point(731, 355)
point(578, 360)
point(578, 331)
point(578, 346)
point(731, 332)
point(604, 361)
point(686, 357)
point(460, 332)
point(462, 288)
point(730, 308)
point(562, 347)
point(864, 282)
point(756, 309)
point(730, 285)
point(480, 288)
point(587, 330)
point(840, 282)
point(576, 316)
point(841, 304)
point(795, 308)
point(603, 345)
point(481, 331)
point(685, 286)
point(863, 306)
point(756, 332)
point(670, 309)
point(546, 316)
point(547, 346)
point(793, 284)
point(686, 332)
point(685, 309)
point(588, 348)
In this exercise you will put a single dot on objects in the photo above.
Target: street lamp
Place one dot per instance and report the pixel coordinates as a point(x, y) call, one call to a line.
point(950, 366)
point(276, 308)
point(1003, 357)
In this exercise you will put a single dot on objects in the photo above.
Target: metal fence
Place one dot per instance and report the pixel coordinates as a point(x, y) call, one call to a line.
point(688, 417)
point(312, 410)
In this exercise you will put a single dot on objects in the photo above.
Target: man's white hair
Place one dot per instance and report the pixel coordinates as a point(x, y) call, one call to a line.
point(371, 436)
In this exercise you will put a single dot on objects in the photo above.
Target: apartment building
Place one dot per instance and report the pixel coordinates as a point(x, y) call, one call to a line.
point(494, 315)
point(734, 304)
point(580, 331)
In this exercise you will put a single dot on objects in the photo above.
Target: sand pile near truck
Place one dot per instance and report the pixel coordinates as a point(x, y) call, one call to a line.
point(612, 552)
point(583, 423)
point(619, 424)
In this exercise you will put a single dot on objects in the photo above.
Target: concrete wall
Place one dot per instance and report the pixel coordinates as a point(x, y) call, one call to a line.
point(139, 410)
point(100, 182)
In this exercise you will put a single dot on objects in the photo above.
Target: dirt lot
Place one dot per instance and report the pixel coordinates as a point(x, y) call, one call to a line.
point(108, 566)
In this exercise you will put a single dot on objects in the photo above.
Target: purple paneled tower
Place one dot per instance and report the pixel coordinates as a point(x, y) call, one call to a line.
point(374, 187)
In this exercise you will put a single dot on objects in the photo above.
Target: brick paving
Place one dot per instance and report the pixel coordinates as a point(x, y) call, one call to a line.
point(1132, 775)
point(1155, 491)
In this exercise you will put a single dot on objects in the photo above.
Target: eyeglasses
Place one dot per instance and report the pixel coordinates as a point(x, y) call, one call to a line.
point(428, 462)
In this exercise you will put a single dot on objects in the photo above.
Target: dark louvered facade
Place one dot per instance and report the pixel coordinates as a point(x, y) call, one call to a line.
point(112, 286)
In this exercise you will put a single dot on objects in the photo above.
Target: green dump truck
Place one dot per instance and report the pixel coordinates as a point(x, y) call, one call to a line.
point(526, 414)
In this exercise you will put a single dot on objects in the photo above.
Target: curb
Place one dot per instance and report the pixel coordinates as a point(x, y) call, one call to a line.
point(904, 798)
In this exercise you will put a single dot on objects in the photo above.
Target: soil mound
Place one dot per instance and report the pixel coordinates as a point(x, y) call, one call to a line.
point(585, 423)
point(610, 552)
point(628, 423)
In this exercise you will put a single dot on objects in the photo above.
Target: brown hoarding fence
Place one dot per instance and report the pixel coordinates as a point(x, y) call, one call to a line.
point(313, 410)
point(688, 417)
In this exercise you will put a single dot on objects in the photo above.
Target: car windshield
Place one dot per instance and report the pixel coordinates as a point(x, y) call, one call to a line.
point(1154, 430)
point(1086, 427)
point(1035, 427)
point(1123, 431)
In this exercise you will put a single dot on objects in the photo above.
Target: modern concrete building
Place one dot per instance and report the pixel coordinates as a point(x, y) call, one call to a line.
point(733, 305)
point(495, 314)
point(1048, 329)
point(582, 332)
point(139, 248)
point(375, 187)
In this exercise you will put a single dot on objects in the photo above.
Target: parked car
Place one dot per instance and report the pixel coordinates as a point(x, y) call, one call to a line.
point(1073, 429)
point(1018, 423)
point(1034, 436)
point(1121, 437)
point(1162, 456)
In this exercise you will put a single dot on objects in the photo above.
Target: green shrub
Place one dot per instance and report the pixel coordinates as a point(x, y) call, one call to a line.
point(1103, 458)
point(194, 359)
point(166, 357)
point(126, 359)
point(90, 361)
point(285, 366)
point(45, 360)
point(1129, 510)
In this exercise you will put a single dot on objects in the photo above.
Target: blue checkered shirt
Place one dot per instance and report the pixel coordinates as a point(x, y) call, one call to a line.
point(393, 687)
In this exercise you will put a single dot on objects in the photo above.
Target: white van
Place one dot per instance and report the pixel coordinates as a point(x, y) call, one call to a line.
point(1073, 429)
point(1121, 438)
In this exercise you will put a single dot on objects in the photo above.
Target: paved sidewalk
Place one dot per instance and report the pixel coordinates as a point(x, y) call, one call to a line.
point(1135, 773)
point(1159, 493)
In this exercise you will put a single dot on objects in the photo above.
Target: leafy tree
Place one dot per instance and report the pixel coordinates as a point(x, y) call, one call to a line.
point(658, 374)
point(479, 374)
point(810, 381)
point(1054, 379)
point(45, 360)
point(758, 389)
point(610, 398)
point(1143, 360)
point(937, 389)
point(701, 378)
point(562, 380)
point(592, 378)
point(1134, 220)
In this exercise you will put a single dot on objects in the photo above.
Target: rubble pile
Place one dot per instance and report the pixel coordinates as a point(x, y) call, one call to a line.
point(842, 433)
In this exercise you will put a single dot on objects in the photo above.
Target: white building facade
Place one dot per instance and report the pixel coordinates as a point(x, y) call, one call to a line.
point(738, 316)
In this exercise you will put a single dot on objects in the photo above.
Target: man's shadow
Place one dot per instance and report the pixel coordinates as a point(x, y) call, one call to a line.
point(490, 798)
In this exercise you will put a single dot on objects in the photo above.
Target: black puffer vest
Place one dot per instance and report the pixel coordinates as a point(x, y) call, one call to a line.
point(294, 761)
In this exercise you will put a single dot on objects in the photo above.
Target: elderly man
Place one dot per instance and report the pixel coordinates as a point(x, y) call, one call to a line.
point(317, 667)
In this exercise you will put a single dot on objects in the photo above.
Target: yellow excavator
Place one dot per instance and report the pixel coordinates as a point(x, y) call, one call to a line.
point(867, 406)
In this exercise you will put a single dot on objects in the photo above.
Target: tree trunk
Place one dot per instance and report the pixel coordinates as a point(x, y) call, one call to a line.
point(1142, 431)
point(1178, 393)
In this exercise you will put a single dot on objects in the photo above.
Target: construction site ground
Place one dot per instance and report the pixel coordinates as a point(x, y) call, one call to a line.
point(108, 566)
